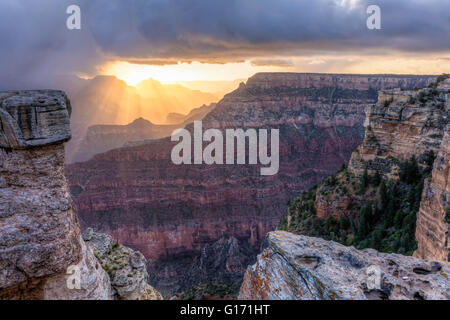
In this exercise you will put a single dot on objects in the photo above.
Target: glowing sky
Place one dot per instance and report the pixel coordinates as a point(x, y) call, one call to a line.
point(197, 40)
point(196, 71)
point(132, 74)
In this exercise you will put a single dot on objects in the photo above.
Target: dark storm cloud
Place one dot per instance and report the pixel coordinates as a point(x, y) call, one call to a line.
point(272, 62)
point(34, 40)
point(202, 28)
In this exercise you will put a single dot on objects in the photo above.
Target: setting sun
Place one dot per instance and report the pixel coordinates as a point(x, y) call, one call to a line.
point(133, 74)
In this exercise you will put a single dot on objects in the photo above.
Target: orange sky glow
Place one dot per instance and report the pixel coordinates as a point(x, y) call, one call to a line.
point(133, 74)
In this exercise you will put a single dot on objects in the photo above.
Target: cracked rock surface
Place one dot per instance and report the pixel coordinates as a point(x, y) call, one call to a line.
point(297, 267)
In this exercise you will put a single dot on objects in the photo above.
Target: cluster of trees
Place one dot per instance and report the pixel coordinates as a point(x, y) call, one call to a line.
point(385, 222)
point(212, 289)
point(442, 77)
point(388, 224)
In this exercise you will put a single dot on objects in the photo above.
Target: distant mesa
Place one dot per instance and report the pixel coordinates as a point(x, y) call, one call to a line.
point(102, 138)
point(106, 100)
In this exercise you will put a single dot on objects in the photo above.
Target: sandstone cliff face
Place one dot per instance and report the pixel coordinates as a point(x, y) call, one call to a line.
point(402, 124)
point(303, 268)
point(170, 213)
point(433, 219)
point(39, 232)
point(414, 123)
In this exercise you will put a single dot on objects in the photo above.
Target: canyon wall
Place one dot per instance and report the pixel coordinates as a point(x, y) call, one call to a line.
point(173, 213)
point(375, 201)
point(296, 267)
point(433, 219)
point(397, 183)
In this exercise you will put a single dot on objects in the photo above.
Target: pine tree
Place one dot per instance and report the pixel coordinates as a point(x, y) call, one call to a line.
point(353, 226)
point(411, 199)
point(398, 219)
point(414, 171)
point(418, 195)
point(363, 226)
point(344, 223)
point(377, 237)
point(377, 178)
point(384, 198)
point(364, 181)
point(377, 212)
point(389, 213)
point(410, 172)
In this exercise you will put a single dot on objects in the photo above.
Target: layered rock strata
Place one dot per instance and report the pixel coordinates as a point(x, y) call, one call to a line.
point(433, 219)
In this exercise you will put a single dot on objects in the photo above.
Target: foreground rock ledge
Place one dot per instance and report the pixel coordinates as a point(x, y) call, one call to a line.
point(303, 268)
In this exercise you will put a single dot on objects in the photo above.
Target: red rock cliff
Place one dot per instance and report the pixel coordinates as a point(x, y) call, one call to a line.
point(433, 219)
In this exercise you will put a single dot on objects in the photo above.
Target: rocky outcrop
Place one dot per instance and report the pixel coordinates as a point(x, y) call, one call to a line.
point(195, 114)
point(94, 282)
point(33, 118)
point(39, 231)
point(433, 219)
point(303, 268)
point(42, 255)
point(170, 213)
point(127, 269)
point(101, 138)
point(413, 123)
